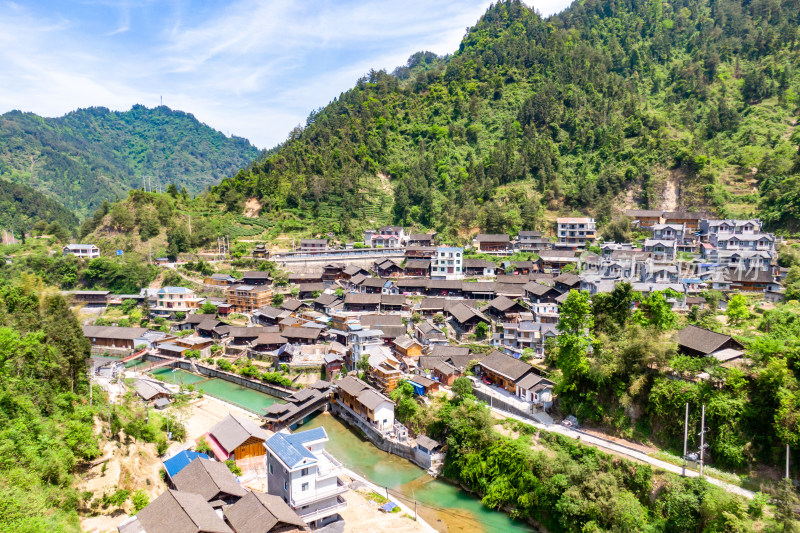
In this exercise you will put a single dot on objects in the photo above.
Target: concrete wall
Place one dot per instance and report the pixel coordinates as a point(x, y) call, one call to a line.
point(191, 366)
point(507, 407)
point(375, 437)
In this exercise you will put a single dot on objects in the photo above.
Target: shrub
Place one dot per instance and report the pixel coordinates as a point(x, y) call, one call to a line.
point(140, 499)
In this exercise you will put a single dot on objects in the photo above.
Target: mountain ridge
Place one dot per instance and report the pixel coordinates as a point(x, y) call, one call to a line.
point(532, 117)
point(91, 155)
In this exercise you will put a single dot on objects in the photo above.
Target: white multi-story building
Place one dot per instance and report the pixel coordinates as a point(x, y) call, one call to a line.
point(359, 340)
point(576, 232)
point(517, 336)
point(305, 476)
point(87, 251)
point(174, 299)
point(448, 263)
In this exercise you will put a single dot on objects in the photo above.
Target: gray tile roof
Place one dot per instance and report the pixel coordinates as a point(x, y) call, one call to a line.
point(701, 339)
point(261, 513)
point(208, 479)
point(233, 430)
point(506, 365)
point(180, 512)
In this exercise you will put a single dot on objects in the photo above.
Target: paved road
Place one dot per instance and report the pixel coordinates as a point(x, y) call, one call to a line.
point(621, 449)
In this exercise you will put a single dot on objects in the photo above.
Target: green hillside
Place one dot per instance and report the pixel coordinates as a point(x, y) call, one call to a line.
point(610, 104)
point(92, 155)
point(21, 207)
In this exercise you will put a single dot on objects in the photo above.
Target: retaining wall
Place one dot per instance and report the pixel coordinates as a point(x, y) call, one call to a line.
point(407, 452)
point(266, 388)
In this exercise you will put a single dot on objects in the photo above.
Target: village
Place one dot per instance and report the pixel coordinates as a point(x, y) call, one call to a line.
point(342, 338)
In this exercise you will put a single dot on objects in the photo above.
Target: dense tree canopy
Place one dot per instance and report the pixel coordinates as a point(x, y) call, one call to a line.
point(566, 113)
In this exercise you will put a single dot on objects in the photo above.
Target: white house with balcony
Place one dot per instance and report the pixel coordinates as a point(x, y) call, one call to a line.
point(575, 231)
point(448, 263)
point(517, 336)
point(360, 340)
point(174, 299)
point(305, 476)
point(86, 251)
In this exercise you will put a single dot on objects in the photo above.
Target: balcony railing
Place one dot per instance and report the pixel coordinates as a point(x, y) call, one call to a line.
point(339, 488)
point(316, 514)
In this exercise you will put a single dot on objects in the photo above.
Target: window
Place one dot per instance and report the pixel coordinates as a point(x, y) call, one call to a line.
point(304, 472)
point(270, 468)
point(304, 487)
point(285, 485)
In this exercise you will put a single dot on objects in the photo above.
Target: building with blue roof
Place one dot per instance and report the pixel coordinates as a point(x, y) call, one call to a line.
point(305, 476)
point(177, 462)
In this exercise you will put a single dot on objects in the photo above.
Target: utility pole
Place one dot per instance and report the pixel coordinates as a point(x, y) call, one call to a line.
point(685, 438)
point(91, 369)
point(787, 461)
point(190, 224)
point(415, 510)
point(702, 438)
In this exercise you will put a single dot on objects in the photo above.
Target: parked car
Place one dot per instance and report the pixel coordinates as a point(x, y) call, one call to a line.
point(486, 380)
point(570, 422)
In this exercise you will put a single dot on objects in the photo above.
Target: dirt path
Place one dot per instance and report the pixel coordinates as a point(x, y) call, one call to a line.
point(669, 202)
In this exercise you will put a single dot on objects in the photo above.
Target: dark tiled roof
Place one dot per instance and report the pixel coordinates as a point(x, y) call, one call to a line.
point(701, 340)
point(179, 512)
point(493, 237)
point(113, 332)
point(261, 513)
point(506, 365)
point(362, 299)
point(381, 320)
point(208, 479)
point(233, 430)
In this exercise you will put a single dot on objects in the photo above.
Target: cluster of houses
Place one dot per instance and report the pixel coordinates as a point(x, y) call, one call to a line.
point(393, 319)
point(304, 484)
point(414, 320)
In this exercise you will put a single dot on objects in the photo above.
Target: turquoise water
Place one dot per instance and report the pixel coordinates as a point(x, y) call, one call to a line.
point(224, 390)
point(442, 505)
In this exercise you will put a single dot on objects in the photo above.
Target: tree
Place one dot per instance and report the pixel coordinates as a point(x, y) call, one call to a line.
point(121, 218)
point(295, 291)
point(172, 190)
point(462, 387)
point(785, 500)
point(655, 311)
point(277, 299)
point(612, 311)
point(416, 317)
point(527, 354)
point(737, 311)
point(792, 283)
point(208, 309)
point(481, 330)
point(576, 314)
point(438, 319)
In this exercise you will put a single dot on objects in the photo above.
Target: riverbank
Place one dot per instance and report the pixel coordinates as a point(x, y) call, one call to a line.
point(444, 506)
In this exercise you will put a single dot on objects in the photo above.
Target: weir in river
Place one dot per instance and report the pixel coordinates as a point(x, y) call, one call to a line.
point(442, 505)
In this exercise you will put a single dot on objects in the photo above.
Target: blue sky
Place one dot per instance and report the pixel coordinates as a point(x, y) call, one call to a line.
point(245, 67)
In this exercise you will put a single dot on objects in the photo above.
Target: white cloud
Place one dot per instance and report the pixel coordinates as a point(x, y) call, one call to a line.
point(250, 68)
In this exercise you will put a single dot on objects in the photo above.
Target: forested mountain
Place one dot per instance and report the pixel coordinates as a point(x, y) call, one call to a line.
point(92, 155)
point(610, 104)
point(21, 207)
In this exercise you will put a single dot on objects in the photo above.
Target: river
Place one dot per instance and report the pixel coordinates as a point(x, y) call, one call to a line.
point(441, 504)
